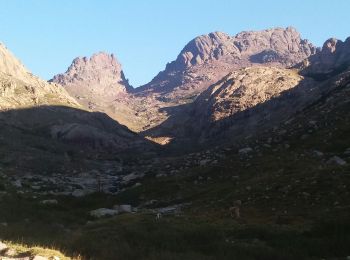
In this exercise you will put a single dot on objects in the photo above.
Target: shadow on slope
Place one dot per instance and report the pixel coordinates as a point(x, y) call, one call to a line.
point(53, 138)
point(191, 128)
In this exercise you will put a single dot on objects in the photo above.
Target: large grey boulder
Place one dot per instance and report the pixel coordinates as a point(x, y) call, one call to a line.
point(337, 160)
point(123, 208)
point(49, 202)
point(103, 212)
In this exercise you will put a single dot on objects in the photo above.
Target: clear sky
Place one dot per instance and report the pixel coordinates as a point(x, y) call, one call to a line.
point(46, 35)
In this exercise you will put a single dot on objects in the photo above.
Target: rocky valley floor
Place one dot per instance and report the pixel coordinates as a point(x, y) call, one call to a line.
point(293, 184)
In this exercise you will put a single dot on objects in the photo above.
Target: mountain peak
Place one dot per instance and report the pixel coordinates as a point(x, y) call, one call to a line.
point(10, 65)
point(333, 58)
point(98, 60)
point(285, 43)
point(100, 72)
point(209, 57)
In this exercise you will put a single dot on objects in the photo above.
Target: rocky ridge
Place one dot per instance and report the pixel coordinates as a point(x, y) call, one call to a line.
point(205, 56)
point(333, 58)
point(19, 88)
point(203, 61)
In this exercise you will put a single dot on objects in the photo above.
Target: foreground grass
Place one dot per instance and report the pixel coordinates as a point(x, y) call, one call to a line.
point(195, 234)
point(23, 250)
point(295, 206)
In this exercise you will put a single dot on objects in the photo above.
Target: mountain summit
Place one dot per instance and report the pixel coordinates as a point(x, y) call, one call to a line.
point(207, 58)
point(10, 65)
point(279, 45)
point(94, 79)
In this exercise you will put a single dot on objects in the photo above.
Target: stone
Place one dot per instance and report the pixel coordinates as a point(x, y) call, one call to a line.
point(204, 162)
point(132, 176)
point(78, 193)
point(103, 212)
point(123, 208)
point(244, 151)
point(337, 160)
point(49, 202)
point(17, 183)
point(318, 153)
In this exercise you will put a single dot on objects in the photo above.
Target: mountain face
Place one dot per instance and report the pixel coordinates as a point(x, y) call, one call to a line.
point(20, 89)
point(11, 66)
point(243, 102)
point(332, 59)
point(36, 106)
point(99, 77)
point(251, 100)
point(255, 98)
point(283, 46)
point(219, 85)
point(208, 58)
point(99, 85)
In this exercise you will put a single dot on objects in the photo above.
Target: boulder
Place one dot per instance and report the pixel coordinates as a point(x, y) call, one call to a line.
point(132, 176)
point(245, 151)
point(79, 193)
point(204, 162)
point(49, 202)
point(337, 160)
point(17, 184)
point(123, 208)
point(103, 212)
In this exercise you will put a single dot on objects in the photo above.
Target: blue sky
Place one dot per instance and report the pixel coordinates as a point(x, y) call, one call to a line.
point(146, 34)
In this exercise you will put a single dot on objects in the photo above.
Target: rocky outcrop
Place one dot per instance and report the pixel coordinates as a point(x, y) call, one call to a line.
point(334, 58)
point(242, 90)
point(94, 79)
point(101, 71)
point(98, 84)
point(207, 58)
point(278, 45)
point(19, 88)
point(10, 65)
point(243, 102)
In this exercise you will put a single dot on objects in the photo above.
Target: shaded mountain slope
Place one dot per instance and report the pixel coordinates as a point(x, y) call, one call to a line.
point(29, 103)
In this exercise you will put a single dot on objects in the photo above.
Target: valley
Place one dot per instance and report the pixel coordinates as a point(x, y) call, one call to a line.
point(97, 169)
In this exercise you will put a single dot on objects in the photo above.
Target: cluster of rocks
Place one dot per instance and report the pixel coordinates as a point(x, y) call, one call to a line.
point(117, 209)
point(75, 184)
point(145, 208)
